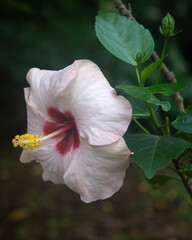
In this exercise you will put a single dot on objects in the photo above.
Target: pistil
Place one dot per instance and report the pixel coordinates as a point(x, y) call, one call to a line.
point(29, 141)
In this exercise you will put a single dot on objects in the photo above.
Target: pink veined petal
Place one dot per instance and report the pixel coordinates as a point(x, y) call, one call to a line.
point(67, 140)
point(97, 172)
point(47, 85)
point(26, 157)
point(53, 163)
point(94, 172)
point(35, 123)
point(35, 119)
point(102, 117)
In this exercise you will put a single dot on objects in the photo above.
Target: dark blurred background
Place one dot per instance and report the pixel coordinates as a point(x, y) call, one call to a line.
point(51, 35)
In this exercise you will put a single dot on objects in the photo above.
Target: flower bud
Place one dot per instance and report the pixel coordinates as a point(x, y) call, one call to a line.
point(139, 57)
point(168, 25)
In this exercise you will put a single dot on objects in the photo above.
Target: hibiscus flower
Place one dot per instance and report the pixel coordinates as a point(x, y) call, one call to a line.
point(75, 127)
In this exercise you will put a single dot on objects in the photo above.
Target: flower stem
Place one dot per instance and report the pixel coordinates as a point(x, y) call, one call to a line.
point(138, 72)
point(139, 125)
point(139, 69)
point(162, 56)
point(167, 125)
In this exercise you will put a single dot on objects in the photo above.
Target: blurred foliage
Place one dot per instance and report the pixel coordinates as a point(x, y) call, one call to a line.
point(51, 35)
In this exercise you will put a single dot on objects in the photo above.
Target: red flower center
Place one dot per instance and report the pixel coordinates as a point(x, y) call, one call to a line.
point(69, 136)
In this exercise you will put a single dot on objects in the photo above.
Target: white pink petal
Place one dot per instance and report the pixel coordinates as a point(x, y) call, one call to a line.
point(89, 154)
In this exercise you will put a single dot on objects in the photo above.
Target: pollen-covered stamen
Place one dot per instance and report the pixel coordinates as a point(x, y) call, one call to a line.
point(29, 141)
point(62, 128)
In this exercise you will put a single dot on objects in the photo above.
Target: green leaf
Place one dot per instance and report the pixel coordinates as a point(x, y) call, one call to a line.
point(187, 137)
point(183, 122)
point(153, 153)
point(140, 109)
point(144, 94)
point(166, 89)
point(159, 180)
point(150, 69)
point(123, 38)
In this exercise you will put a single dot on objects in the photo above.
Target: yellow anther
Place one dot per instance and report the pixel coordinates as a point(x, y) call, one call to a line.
point(27, 141)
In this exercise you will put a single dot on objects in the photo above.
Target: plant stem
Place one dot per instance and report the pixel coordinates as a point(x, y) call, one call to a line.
point(139, 125)
point(153, 117)
point(173, 169)
point(183, 154)
point(138, 72)
point(162, 55)
point(170, 76)
point(167, 125)
point(139, 69)
point(183, 178)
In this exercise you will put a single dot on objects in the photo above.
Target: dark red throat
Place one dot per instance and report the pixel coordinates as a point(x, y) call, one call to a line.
point(68, 139)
